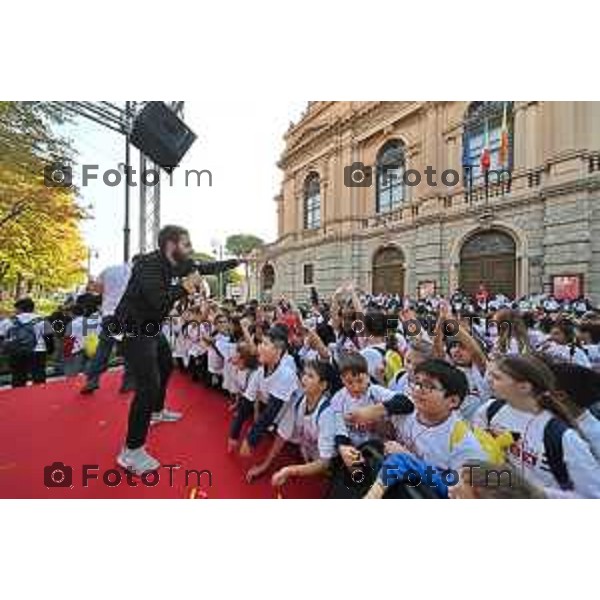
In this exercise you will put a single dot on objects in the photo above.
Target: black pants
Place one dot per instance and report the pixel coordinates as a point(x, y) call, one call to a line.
point(99, 363)
point(199, 367)
point(26, 365)
point(243, 412)
point(151, 363)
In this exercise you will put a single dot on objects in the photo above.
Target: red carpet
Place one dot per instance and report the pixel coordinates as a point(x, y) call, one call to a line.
point(54, 423)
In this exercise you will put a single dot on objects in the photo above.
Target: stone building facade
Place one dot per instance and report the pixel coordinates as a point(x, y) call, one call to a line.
point(535, 231)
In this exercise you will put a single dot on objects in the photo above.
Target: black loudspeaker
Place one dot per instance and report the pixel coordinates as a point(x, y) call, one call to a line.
point(161, 135)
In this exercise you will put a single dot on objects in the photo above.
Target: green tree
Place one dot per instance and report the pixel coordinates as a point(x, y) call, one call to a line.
point(242, 244)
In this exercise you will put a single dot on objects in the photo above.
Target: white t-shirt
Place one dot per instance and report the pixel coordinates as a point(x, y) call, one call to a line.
point(590, 427)
point(5, 325)
point(249, 387)
point(343, 402)
point(573, 355)
point(307, 354)
point(375, 356)
point(227, 349)
point(479, 391)
point(536, 337)
point(401, 385)
point(432, 443)
point(281, 384)
point(593, 354)
point(527, 453)
point(114, 283)
point(313, 431)
point(216, 362)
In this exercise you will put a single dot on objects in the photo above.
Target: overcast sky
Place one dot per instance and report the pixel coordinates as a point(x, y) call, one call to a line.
point(239, 142)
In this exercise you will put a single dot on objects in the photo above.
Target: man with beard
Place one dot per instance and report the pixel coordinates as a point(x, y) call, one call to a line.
point(157, 281)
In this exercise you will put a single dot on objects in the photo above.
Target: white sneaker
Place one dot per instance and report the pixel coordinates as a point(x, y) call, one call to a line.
point(137, 461)
point(165, 416)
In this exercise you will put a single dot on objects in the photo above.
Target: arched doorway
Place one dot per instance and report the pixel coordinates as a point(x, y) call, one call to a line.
point(388, 271)
point(489, 257)
point(267, 278)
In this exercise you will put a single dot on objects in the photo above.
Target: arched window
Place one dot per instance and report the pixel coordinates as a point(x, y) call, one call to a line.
point(390, 172)
point(312, 202)
point(388, 271)
point(488, 127)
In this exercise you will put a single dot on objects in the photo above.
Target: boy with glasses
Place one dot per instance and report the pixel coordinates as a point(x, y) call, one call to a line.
point(433, 433)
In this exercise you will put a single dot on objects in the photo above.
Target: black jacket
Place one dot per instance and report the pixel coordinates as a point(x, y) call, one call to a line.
point(154, 286)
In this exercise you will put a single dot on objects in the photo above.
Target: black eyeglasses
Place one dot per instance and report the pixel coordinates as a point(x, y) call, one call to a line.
point(427, 386)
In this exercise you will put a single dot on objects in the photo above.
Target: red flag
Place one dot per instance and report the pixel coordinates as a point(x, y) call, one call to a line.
point(485, 153)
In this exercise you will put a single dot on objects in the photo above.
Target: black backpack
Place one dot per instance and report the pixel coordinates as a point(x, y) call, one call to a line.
point(553, 445)
point(21, 337)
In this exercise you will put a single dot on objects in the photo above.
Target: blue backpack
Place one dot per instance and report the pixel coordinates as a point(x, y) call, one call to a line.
point(21, 337)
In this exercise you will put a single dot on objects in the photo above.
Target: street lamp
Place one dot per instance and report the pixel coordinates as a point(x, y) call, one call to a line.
point(217, 250)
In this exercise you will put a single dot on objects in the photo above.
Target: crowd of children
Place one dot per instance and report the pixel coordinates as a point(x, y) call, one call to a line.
point(385, 397)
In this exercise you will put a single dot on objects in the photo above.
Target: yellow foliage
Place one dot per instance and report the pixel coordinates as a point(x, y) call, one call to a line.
point(40, 241)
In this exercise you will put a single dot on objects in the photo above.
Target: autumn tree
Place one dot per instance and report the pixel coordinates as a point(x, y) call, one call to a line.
point(40, 241)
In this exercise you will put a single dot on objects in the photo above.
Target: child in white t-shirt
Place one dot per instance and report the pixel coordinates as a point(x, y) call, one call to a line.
point(359, 446)
point(309, 423)
point(246, 380)
point(579, 389)
point(434, 432)
point(547, 448)
point(218, 349)
point(276, 382)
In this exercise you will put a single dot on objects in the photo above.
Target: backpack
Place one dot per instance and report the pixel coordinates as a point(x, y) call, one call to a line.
point(393, 365)
point(21, 337)
point(553, 445)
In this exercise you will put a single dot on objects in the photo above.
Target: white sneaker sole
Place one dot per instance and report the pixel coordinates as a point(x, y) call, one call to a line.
point(130, 469)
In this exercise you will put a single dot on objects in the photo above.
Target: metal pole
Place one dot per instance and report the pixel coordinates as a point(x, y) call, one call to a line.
point(126, 230)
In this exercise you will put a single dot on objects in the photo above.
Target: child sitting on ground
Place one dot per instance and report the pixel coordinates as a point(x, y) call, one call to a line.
point(276, 382)
point(310, 424)
point(359, 445)
point(246, 379)
point(434, 432)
